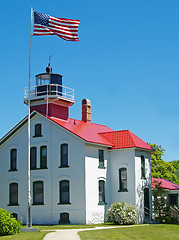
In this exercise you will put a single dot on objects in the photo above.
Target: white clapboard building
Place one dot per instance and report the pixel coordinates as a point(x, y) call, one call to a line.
point(78, 168)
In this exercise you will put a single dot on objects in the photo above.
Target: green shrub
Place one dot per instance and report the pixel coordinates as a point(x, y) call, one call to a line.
point(121, 213)
point(8, 224)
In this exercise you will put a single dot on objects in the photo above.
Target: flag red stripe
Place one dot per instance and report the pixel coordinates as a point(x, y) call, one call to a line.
point(42, 32)
point(68, 39)
point(39, 28)
point(63, 27)
point(45, 31)
point(66, 35)
point(71, 25)
point(51, 26)
point(65, 20)
point(63, 32)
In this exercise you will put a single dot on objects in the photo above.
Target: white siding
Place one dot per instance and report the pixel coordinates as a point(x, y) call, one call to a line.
point(95, 213)
point(140, 183)
point(53, 136)
point(122, 159)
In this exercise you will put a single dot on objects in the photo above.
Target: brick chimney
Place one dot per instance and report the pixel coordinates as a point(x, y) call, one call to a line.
point(86, 110)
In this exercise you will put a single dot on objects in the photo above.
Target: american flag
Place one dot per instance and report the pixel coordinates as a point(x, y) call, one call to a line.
point(47, 25)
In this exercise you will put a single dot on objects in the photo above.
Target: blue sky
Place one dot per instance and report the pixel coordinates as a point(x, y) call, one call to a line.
point(126, 63)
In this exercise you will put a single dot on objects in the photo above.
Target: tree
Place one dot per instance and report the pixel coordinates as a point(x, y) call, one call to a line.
point(176, 166)
point(159, 202)
point(162, 169)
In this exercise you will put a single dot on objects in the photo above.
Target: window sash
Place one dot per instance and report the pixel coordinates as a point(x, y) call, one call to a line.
point(101, 157)
point(43, 157)
point(64, 155)
point(142, 167)
point(64, 191)
point(38, 130)
point(123, 179)
point(13, 192)
point(33, 158)
point(102, 191)
point(38, 195)
point(13, 159)
point(173, 199)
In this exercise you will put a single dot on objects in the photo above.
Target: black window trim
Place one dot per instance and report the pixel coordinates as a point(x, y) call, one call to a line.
point(60, 192)
point(41, 159)
point(10, 196)
point(121, 189)
point(36, 134)
point(11, 160)
point(34, 202)
point(101, 157)
point(62, 165)
point(143, 174)
point(33, 168)
point(176, 195)
point(103, 192)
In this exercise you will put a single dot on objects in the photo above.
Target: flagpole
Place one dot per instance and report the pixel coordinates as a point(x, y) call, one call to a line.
point(29, 218)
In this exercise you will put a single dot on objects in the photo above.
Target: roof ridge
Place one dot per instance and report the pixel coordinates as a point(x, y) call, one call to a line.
point(115, 131)
point(130, 133)
point(89, 122)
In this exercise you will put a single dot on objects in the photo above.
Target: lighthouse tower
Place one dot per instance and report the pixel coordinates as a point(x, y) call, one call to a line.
point(49, 96)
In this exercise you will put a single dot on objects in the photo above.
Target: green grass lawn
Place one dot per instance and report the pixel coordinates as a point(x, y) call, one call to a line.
point(56, 227)
point(26, 236)
point(41, 234)
point(147, 232)
point(144, 232)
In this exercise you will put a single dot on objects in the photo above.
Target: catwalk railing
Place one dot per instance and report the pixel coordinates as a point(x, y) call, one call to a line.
point(50, 91)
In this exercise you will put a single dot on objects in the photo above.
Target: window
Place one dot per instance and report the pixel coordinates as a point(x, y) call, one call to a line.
point(101, 192)
point(142, 167)
point(13, 163)
point(13, 194)
point(38, 193)
point(146, 202)
point(101, 158)
point(122, 179)
point(64, 155)
point(64, 192)
point(15, 215)
point(38, 130)
point(33, 158)
point(64, 218)
point(43, 157)
point(173, 199)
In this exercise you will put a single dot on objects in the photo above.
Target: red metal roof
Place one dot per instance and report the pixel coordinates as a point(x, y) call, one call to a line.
point(91, 132)
point(166, 184)
point(87, 131)
point(100, 134)
point(125, 139)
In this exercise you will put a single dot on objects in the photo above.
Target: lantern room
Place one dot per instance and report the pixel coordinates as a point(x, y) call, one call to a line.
point(49, 96)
